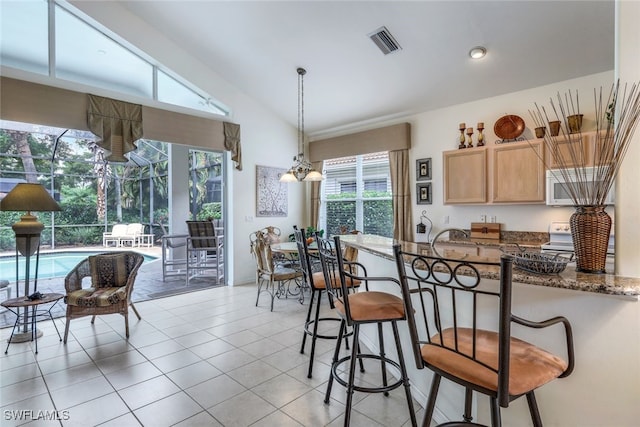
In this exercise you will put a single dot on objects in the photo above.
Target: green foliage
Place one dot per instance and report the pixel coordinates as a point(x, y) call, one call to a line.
point(377, 214)
point(340, 214)
point(78, 206)
point(210, 210)
point(378, 217)
point(79, 236)
point(367, 194)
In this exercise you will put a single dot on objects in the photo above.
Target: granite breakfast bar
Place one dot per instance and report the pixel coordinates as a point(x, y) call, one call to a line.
point(604, 310)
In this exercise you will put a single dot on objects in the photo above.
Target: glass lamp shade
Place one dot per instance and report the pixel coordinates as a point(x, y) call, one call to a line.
point(288, 177)
point(313, 176)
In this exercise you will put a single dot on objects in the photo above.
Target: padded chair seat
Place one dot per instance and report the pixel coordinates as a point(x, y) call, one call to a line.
point(92, 297)
point(318, 282)
point(373, 306)
point(281, 273)
point(530, 366)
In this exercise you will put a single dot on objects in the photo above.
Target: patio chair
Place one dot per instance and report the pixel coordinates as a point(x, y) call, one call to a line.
point(114, 235)
point(133, 235)
point(112, 276)
point(205, 252)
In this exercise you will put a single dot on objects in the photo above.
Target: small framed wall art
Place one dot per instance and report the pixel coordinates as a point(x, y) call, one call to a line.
point(423, 193)
point(423, 169)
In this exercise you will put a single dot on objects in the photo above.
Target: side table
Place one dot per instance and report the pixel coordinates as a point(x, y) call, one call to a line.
point(15, 304)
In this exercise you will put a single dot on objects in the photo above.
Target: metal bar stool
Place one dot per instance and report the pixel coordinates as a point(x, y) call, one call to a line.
point(448, 305)
point(360, 308)
point(316, 283)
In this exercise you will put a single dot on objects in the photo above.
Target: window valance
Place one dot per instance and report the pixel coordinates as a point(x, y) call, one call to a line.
point(29, 102)
point(389, 138)
point(117, 123)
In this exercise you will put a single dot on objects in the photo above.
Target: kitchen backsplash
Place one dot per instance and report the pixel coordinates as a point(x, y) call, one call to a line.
point(510, 236)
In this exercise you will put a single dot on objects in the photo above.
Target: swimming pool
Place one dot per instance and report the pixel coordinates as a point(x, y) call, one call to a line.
point(54, 264)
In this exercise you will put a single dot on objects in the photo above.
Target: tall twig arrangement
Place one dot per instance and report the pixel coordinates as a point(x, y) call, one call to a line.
point(617, 116)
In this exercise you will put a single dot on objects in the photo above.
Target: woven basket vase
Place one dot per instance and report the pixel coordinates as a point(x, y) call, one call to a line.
point(590, 227)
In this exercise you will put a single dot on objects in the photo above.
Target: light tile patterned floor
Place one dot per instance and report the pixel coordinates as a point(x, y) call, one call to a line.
point(207, 358)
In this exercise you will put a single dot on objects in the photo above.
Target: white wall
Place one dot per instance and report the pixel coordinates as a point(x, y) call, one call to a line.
point(436, 131)
point(628, 205)
point(266, 139)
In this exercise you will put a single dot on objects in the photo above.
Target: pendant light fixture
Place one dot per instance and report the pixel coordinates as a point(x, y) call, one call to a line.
point(301, 169)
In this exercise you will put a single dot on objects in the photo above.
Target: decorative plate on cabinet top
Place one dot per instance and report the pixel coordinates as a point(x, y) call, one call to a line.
point(509, 127)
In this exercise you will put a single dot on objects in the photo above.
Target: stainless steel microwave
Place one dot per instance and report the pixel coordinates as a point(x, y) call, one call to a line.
point(557, 193)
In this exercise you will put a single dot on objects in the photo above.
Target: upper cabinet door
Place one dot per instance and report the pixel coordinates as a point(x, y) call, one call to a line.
point(570, 152)
point(518, 173)
point(465, 176)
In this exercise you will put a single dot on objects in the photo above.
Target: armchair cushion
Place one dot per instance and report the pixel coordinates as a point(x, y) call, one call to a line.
point(92, 297)
point(109, 270)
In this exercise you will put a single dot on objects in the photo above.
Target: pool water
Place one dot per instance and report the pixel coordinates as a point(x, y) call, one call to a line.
point(55, 264)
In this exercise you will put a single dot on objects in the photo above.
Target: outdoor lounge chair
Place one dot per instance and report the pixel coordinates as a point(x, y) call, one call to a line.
point(124, 235)
point(114, 235)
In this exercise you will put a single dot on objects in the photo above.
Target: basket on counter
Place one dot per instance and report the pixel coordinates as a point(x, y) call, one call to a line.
point(539, 263)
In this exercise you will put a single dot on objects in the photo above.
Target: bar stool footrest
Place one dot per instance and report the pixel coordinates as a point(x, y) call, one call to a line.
point(460, 424)
point(380, 389)
point(325, 337)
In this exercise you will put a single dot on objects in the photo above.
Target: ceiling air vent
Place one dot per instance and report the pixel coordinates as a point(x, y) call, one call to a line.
point(384, 40)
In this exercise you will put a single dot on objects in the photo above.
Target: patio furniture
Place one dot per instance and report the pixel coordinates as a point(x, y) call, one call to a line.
point(112, 276)
point(205, 252)
point(131, 234)
point(173, 262)
point(113, 236)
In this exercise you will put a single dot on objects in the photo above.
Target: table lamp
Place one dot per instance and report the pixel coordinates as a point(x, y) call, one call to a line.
point(29, 198)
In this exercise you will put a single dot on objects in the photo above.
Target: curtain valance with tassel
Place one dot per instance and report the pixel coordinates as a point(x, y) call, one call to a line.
point(117, 123)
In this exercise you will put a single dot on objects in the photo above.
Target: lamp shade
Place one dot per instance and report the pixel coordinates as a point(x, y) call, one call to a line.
point(313, 175)
point(29, 198)
point(288, 177)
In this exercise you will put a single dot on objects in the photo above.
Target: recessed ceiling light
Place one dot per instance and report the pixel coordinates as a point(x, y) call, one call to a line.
point(477, 52)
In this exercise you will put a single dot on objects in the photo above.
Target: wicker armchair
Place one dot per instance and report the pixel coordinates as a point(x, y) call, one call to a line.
point(112, 277)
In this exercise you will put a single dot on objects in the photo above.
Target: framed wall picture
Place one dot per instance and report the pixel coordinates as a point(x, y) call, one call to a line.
point(423, 193)
point(272, 197)
point(423, 169)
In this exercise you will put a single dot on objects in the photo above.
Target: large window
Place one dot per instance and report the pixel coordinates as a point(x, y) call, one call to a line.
point(82, 53)
point(356, 195)
point(93, 194)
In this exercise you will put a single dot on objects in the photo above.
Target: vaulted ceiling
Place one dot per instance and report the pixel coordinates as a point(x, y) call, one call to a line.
point(257, 46)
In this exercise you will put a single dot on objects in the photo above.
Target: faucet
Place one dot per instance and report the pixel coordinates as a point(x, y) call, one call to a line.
point(446, 230)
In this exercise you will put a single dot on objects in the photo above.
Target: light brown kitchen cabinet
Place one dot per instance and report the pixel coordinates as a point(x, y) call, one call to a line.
point(518, 174)
point(585, 147)
point(465, 176)
point(563, 148)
